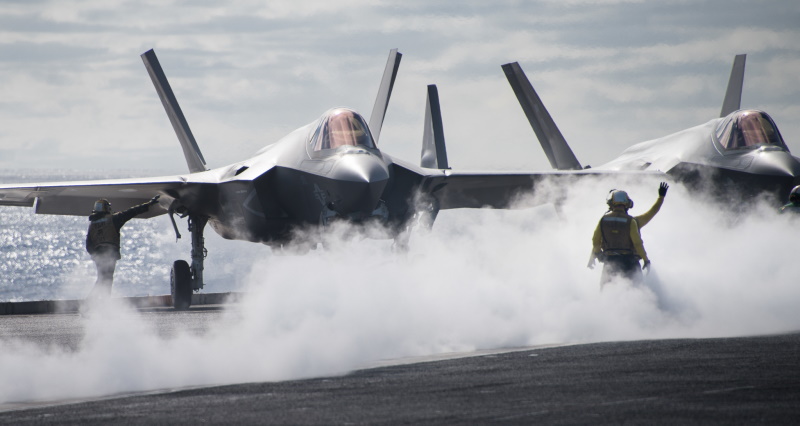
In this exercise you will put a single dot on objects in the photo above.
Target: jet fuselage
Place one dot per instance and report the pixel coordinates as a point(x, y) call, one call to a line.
point(720, 157)
point(295, 183)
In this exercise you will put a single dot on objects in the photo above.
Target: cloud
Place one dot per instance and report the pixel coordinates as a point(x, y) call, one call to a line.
point(249, 73)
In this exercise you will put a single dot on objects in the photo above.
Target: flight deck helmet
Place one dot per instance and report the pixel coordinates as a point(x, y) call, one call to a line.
point(102, 206)
point(794, 196)
point(619, 198)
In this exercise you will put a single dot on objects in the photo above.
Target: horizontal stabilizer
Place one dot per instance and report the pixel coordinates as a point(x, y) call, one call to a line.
point(434, 152)
point(555, 147)
point(384, 93)
point(194, 158)
point(733, 96)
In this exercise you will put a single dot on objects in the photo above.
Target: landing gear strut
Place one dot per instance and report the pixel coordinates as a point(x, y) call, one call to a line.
point(185, 279)
point(426, 210)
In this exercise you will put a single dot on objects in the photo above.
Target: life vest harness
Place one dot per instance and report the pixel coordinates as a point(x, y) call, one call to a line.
point(615, 229)
point(103, 232)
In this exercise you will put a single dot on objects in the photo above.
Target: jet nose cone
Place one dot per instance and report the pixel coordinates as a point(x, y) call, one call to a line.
point(775, 171)
point(361, 179)
point(358, 167)
point(776, 163)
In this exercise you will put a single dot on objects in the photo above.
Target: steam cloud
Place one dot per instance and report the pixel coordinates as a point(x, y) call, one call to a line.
point(478, 279)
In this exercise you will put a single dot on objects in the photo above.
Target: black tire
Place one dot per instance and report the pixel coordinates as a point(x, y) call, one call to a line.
point(180, 283)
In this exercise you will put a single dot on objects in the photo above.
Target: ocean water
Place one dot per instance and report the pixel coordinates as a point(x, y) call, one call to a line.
point(43, 257)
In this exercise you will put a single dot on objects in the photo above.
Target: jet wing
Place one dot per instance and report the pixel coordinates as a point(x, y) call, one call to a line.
point(76, 198)
point(497, 190)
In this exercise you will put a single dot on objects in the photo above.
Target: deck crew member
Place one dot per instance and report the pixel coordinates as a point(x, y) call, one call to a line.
point(794, 201)
point(617, 241)
point(103, 240)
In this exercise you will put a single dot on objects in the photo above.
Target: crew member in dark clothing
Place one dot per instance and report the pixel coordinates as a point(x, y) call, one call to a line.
point(794, 201)
point(103, 240)
point(617, 242)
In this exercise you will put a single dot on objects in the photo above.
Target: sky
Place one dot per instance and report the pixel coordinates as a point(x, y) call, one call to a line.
point(75, 95)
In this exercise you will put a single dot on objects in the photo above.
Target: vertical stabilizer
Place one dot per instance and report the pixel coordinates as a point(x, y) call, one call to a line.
point(194, 158)
point(733, 96)
point(555, 147)
point(434, 152)
point(384, 93)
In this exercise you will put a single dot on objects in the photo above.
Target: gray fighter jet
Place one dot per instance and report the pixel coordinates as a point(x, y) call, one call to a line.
point(741, 152)
point(331, 169)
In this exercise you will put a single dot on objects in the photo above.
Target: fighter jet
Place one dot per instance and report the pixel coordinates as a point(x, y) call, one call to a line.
point(741, 152)
point(331, 169)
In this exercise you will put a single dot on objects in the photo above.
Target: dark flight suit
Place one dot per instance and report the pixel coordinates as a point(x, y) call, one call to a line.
point(792, 207)
point(103, 244)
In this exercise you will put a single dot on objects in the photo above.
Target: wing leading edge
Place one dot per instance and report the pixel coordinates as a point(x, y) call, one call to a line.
point(76, 198)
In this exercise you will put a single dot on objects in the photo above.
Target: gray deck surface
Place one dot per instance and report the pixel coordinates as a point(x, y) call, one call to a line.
point(750, 380)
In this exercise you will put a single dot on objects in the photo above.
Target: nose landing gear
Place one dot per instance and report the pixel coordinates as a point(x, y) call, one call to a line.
point(180, 283)
point(185, 279)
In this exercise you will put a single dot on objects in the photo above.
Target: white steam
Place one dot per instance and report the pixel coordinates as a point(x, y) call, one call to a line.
point(479, 279)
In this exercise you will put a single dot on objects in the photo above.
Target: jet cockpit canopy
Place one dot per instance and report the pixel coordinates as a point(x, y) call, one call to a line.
point(748, 129)
point(341, 127)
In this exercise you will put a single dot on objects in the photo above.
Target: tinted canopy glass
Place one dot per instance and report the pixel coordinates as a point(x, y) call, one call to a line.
point(342, 127)
point(747, 129)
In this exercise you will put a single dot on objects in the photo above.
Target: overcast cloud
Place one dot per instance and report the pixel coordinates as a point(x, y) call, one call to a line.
point(74, 93)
